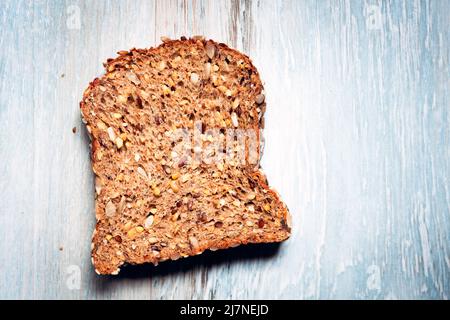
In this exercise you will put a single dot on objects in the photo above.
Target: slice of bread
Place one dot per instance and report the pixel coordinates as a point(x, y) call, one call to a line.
point(175, 150)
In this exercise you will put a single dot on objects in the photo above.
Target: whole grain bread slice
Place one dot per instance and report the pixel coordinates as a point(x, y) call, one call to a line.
point(175, 148)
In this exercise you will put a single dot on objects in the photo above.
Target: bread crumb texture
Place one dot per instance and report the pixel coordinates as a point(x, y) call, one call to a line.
point(172, 177)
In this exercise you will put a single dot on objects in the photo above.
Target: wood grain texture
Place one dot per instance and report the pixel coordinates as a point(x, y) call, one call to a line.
point(357, 143)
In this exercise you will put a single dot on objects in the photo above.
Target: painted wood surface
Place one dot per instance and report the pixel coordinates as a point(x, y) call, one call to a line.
point(357, 143)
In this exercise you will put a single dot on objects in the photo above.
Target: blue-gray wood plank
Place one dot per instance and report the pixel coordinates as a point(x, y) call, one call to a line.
point(357, 143)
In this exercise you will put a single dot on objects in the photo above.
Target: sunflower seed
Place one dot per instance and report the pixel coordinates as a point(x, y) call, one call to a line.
point(210, 50)
point(110, 209)
point(260, 98)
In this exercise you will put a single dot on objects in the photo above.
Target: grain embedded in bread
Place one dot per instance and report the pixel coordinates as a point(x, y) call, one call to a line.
point(157, 196)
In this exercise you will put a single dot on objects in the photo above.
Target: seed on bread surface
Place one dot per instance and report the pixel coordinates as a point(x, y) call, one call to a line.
point(142, 172)
point(207, 70)
point(221, 202)
point(184, 178)
point(260, 98)
point(111, 134)
point(119, 142)
point(122, 98)
point(174, 186)
point(152, 240)
point(132, 233)
point(128, 226)
point(251, 196)
point(161, 66)
point(194, 78)
point(236, 103)
point(101, 125)
point(165, 89)
point(110, 209)
point(234, 119)
point(194, 243)
point(210, 50)
point(156, 191)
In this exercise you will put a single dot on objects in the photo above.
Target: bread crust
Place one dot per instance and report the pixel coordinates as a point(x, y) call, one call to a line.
point(108, 253)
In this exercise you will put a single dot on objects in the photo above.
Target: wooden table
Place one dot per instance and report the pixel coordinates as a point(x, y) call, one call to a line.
point(357, 143)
